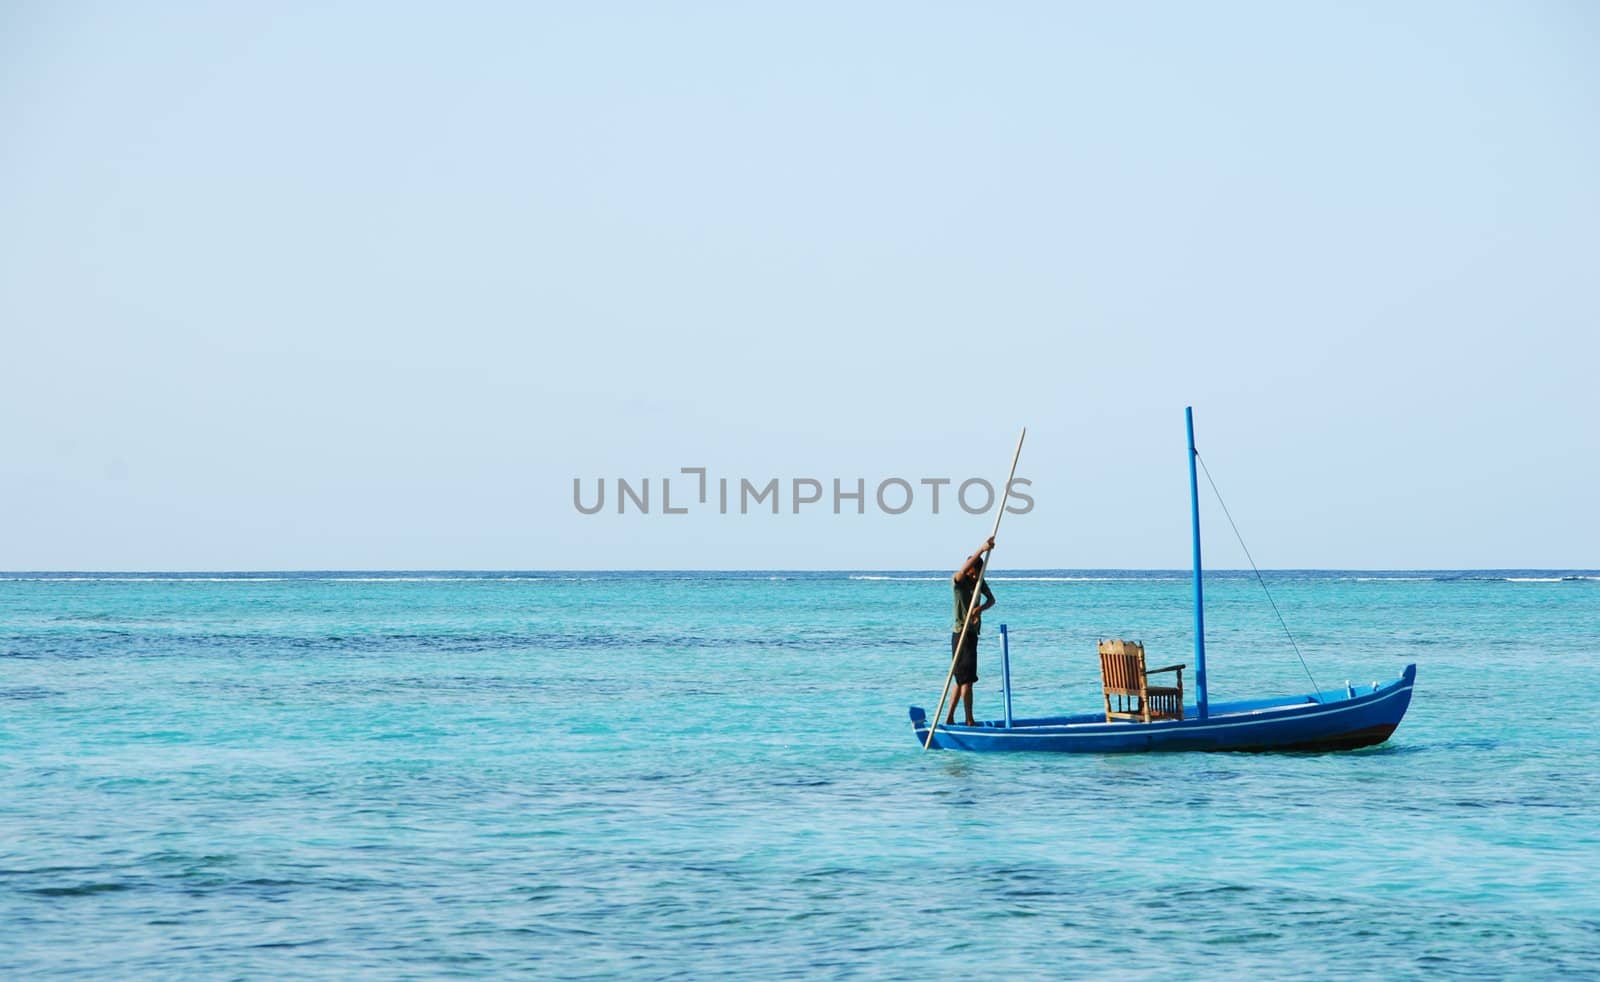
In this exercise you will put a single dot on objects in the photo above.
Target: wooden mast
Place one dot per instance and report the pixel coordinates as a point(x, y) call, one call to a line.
point(1199, 595)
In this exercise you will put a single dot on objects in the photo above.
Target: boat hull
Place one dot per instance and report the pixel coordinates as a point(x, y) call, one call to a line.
point(1341, 719)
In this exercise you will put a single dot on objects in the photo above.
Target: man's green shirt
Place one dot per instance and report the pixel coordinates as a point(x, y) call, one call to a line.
point(963, 593)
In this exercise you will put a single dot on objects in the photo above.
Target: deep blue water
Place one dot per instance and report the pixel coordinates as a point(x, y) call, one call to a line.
point(699, 774)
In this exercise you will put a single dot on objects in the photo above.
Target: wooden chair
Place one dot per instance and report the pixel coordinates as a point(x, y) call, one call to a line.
point(1123, 675)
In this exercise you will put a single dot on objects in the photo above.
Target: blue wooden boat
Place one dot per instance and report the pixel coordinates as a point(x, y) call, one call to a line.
point(1340, 719)
point(1336, 719)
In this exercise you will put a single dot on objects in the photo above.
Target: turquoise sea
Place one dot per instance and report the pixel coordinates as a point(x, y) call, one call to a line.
point(684, 775)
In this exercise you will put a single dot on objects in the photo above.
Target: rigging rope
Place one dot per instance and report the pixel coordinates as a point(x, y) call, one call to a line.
point(1259, 579)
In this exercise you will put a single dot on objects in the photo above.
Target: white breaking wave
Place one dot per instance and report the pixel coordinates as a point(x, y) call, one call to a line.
point(1030, 579)
point(1392, 579)
point(398, 579)
point(1088, 579)
point(903, 579)
point(281, 579)
point(149, 579)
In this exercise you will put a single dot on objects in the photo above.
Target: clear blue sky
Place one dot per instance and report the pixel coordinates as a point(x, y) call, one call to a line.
point(368, 286)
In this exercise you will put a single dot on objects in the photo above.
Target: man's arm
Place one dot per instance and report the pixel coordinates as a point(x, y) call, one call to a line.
point(988, 598)
point(974, 561)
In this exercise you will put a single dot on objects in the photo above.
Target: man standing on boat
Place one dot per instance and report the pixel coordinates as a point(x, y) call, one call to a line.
point(965, 583)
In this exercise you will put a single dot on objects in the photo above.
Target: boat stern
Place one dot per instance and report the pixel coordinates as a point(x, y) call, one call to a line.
point(919, 724)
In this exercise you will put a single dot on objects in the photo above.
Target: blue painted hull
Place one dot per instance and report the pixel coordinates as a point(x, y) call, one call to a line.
point(1340, 719)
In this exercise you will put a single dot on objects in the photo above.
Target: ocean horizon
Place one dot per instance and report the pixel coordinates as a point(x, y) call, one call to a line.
point(1511, 573)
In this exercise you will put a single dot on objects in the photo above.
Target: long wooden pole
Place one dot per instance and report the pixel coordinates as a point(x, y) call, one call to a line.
point(977, 591)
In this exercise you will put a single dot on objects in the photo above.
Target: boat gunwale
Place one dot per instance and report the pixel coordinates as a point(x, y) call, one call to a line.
point(1056, 726)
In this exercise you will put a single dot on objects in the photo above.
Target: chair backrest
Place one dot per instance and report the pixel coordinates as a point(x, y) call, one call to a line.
point(1122, 665)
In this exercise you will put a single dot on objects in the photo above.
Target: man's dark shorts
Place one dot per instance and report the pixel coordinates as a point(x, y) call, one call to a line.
point(967, 663)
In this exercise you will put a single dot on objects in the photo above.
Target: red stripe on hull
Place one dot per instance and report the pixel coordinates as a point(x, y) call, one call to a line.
point(1366, 737)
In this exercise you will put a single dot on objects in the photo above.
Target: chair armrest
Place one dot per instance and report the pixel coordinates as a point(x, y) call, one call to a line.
point(1169, 668)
